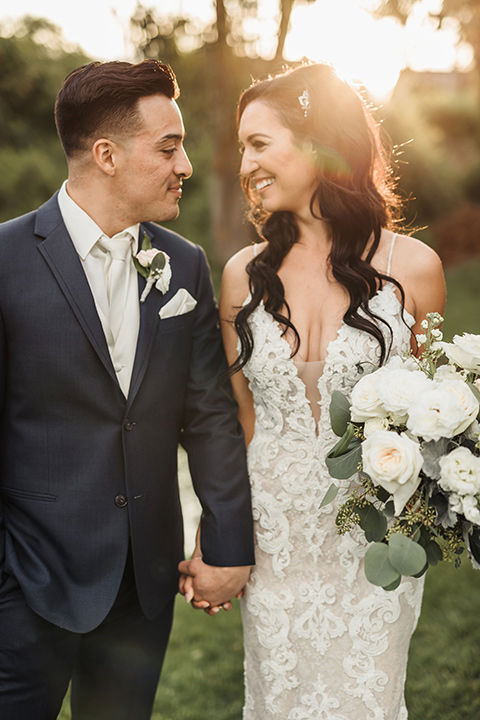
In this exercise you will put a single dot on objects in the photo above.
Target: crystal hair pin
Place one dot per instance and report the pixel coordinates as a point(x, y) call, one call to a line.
point(304, 101)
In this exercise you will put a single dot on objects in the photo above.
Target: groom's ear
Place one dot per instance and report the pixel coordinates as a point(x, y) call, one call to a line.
point(104, 153)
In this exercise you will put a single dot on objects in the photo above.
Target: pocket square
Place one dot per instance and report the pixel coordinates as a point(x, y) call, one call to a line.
point(181, 303)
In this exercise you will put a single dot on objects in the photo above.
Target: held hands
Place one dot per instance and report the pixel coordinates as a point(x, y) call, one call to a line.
point(209, 587)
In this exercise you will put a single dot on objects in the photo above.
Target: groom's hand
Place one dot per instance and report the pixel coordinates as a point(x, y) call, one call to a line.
point(214, 586)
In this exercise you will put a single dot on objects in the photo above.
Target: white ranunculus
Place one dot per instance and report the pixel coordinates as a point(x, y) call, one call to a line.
point(437, 413)
point(398, 389)
point(374, 424)
point(464, 351)
point(365, 400)
point(460, 472)
point(394, 462)
point(467, 399)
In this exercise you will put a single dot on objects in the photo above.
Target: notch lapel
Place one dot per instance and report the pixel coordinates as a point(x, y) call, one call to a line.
point(61, 256)
point(148, 327)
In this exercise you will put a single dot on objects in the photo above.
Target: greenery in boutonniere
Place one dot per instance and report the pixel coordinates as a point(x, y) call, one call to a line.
point(154, 266)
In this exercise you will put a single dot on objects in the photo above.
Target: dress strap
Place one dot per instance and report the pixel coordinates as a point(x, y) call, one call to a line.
point(255, 250)
point(391, 253)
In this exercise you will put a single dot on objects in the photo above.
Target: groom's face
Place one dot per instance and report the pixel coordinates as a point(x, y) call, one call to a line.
point(153, 163)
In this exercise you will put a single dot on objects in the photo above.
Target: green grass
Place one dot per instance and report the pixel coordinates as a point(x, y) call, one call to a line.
point(462, 313)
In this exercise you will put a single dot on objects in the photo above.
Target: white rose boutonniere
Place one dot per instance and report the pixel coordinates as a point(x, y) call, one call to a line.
point(394, 462)
point(154, 266)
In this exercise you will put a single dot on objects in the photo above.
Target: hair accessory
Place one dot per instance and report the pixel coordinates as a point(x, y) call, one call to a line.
point(304, 101)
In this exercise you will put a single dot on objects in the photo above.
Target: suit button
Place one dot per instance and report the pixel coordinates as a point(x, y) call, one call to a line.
point(128, 424)
point(121, 501)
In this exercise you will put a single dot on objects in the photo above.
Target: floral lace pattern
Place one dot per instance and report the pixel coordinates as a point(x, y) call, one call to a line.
point(321, 643)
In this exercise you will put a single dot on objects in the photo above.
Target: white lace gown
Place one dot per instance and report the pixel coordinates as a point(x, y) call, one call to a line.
point(321, 643)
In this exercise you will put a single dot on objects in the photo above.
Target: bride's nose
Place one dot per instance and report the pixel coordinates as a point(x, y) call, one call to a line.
point(249, 164)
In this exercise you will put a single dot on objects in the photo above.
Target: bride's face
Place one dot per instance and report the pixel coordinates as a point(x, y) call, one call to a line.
point(281, 171)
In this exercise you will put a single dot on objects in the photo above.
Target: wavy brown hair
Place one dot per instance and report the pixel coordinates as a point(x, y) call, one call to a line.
point(355, 195)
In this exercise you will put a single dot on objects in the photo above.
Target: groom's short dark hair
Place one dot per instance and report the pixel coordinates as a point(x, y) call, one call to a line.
point(100, 99)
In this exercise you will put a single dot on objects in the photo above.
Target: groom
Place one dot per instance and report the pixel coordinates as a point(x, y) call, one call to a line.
point(97, 388)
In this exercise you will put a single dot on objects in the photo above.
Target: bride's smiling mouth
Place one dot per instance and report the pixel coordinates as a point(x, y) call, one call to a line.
point(263, 183)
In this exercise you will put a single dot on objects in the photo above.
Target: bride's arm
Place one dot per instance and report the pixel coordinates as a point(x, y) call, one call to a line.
point(419, 270)
point(233, 292)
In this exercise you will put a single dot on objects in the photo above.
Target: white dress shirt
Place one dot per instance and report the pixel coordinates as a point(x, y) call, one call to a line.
point(85, 233)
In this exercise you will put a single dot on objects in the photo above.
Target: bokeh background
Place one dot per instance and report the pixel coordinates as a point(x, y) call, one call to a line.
point(418, 64)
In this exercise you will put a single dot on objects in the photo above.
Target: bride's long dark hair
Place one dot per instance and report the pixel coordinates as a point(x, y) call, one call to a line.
point(354, 195)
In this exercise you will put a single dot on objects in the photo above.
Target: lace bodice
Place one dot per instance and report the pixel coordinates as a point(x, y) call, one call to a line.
point(321, 643)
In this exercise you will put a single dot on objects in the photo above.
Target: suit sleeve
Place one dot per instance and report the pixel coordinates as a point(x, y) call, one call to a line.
point(214, 441)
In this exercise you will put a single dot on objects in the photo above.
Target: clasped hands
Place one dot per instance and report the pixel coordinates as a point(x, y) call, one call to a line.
point(211, 588)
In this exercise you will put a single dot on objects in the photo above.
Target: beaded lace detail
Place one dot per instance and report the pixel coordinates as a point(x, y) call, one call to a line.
point(321, 643)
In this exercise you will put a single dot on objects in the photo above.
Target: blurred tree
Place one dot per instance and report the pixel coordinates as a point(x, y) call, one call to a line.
point(34, 62)
point(465, 12)
point(214, 60)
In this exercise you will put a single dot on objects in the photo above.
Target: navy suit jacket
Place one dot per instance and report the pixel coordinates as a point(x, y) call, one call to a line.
point(71, 443)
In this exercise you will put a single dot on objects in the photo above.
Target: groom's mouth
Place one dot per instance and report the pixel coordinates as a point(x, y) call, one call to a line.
point(176, 190)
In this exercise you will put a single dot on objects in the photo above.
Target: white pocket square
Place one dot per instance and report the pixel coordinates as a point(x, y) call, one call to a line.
point(182, 302)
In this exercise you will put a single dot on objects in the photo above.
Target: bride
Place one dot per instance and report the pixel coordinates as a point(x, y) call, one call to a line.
point(329, 292)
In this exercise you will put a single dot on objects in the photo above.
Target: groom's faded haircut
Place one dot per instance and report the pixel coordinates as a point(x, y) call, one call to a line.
point(101, 100)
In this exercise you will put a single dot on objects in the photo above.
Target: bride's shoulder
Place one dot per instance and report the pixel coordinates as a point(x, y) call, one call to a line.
point(235, 277)
point(411, 256)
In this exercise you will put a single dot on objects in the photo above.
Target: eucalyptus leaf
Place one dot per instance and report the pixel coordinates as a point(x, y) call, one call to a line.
point(339, 413)
point(343, 444)
point(394, 585)
point(389, 509)
point(146, 244)
point(378, 568)
point(383, 494)
point(369, 517)
point(139, 268)
point(474, 543)
point(422, 571)
point(434, 553)
point(330, 495)
point(378, 532)
point(158, 262)
point(405, 555)
point(343, 467)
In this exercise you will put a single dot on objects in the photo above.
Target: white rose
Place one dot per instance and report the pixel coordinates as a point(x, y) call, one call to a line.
point(365, 400)
point(437, 413)
point(467, 399)
point(446, 372)
point(374, 424)
point(145, 257)
point(464, 351)
point(470, 509)
point(473, 432)
point(398, 389)
point(394, 462)
point(460, 472)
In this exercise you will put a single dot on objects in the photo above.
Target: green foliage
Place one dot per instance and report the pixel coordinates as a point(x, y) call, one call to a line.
point(34, 64)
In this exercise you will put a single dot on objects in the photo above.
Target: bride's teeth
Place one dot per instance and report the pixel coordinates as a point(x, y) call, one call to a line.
point(264, 183)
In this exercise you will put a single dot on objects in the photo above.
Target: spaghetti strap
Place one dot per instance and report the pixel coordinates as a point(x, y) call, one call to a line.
point(391, 253)
point(255, 250)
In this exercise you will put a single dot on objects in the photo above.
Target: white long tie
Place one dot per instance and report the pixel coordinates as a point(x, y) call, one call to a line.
point(117, 272)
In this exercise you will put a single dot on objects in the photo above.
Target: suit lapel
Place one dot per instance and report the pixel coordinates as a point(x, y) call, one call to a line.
point(61, 256)
point(148, 328)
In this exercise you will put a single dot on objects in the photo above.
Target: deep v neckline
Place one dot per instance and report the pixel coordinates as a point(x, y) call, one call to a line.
point(327, 359)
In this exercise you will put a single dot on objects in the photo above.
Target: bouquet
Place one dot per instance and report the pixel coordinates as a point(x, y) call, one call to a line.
point(411, 439)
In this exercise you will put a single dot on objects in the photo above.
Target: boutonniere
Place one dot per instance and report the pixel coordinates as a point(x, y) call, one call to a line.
point(154, 266)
